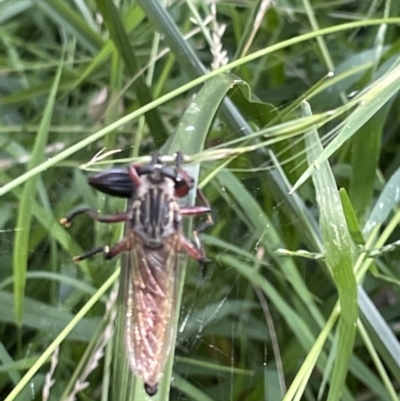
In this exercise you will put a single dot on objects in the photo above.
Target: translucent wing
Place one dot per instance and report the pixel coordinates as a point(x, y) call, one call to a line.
point(150, 307)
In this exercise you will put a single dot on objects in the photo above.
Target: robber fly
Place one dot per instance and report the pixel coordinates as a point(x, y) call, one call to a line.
point(153, 241)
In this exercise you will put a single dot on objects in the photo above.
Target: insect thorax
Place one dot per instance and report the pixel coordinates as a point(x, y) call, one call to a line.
point(155, 211)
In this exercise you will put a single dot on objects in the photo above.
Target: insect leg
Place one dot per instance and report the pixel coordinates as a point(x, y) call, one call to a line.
point(193, 251)
point(209, 222)
point(194, 210)
point(119, 247)
point(203, 199)
point(133, 174)
point(108, 252)
point(92, 252)
point(111, 218)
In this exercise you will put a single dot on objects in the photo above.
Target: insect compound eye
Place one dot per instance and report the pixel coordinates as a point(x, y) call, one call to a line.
point(183, 184)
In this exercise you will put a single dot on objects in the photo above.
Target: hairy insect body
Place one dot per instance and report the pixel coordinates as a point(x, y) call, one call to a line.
point(151, 283)
point(155, 212)
point(153, 240)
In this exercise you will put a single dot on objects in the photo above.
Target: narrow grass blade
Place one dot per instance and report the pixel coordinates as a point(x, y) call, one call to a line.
point(265, 233)
point(366, 146)
point(73, 22)
point(10, 9)
point(21, 242)
point(61, 337)
point(388, 199)
point(351, 218)
point(339, 258)
point(369, 103)
point(101, 133)
point(126, 52)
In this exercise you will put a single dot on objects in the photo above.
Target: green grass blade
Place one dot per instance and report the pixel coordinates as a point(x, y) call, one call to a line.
point(61, 337)
point(195, 124)
point(163, 22)
point(377, 362)
point(369, 103)
point(263, 230)
point(188, 58)
point(385, 203)
point(193, 392)
point(366, 146)
point(98, 135)
point(386, 341)
point(339, 258)
point(120, 38)
point(73, 22)
point(21, 242)
point(236, 341)
point(189, 138)
point(10, 9)
point(351, 218)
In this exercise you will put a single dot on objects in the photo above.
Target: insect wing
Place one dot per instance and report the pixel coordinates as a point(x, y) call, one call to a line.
point(150, 308)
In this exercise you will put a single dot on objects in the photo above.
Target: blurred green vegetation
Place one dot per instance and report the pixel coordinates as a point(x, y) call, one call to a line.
point(300, 162)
